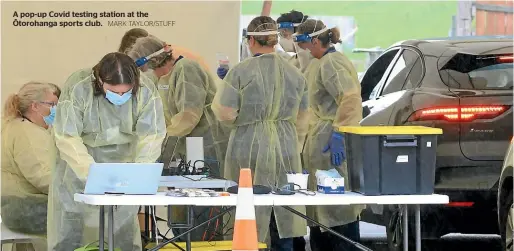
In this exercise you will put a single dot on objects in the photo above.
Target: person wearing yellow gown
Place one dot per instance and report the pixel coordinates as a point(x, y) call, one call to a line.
point(264, 100)
point(108, 113)
point(28, 156)
point(335, 100)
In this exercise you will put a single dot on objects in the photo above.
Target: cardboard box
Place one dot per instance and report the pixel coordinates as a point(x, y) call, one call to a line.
point(331, 185)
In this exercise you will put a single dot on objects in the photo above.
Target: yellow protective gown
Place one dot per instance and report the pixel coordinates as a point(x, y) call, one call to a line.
point(264, 99)
point(302, 59)
point(335, 100)
point(28, 155)
point(187, 93)
point(90, 129)
point(178, 50)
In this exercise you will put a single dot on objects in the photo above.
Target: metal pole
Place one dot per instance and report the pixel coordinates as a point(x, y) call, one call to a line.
point(110, 227)
point(101, 240)
point(405, 228)
point(147, 223)
point(190, 222)
point(266, 8)
point(162, 244)
point(154, 224)
point(307, 218)
point(418, 228)
point(463, 18)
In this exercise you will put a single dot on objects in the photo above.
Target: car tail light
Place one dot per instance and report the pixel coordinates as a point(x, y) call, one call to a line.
point(460, 204)
point(505, 59)
point(458, 114)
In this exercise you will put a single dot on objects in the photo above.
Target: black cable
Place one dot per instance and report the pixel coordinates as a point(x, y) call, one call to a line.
point(222, 232)
point(303, 191)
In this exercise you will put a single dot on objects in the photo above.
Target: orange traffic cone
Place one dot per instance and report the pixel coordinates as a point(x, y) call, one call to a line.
point(245, 228)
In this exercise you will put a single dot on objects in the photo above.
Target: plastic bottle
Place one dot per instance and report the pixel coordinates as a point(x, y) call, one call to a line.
point(223, 61)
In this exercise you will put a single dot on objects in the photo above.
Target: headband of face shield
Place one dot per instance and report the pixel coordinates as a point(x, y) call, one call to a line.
point(262, 33)
point(143, 60)
point(290, 25)
point(303, 38)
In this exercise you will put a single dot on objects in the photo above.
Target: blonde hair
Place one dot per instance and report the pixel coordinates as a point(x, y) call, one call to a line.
point(147, 45)
point(261, 24)
point(18, 104)
point(331, 36)
point(130, 38)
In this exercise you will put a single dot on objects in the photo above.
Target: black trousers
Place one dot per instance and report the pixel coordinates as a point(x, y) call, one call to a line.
point(325, 241)
point(299, 244)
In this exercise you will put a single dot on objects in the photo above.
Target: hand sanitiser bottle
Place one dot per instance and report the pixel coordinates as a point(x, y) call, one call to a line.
point(223, 61)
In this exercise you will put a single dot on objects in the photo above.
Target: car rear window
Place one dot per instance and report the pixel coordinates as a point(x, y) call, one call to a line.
point(478, 72)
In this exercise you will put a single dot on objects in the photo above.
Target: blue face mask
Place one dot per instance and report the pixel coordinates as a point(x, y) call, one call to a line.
point(117, 99)
point(49, 120)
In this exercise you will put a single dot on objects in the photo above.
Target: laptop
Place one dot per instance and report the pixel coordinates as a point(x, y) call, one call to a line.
point(123, 178)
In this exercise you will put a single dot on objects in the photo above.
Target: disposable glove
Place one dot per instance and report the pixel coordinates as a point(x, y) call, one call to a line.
point(336, 147)
point(222, 72)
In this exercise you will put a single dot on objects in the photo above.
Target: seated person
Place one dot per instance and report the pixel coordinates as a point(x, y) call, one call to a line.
point(28, 155)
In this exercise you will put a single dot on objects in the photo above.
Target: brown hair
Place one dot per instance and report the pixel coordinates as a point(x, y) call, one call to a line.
point(331, 36)
point(18, 104)
point(261, 24)
point(147, 45)
point(130, 38)
point(115, 68)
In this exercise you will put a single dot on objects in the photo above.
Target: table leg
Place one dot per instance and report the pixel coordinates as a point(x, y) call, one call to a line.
point(147, 223)
point(190, 222)
point(164, 243)
point(418, 228)
point(154, 224)
point(405, 228)
point(307, 218)
point(101, 240)
point(110, 227)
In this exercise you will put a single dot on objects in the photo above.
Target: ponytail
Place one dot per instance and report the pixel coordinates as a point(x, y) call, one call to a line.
point(335, 35)
point(12, 107)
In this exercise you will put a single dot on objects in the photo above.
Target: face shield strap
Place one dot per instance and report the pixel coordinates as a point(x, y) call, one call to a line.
point(143, 60)
point(301, 38)
point(262, 33)
point(288, 25)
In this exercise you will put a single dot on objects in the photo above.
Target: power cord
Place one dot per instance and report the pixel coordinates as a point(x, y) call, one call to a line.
point(186, 168)
point(290, 189)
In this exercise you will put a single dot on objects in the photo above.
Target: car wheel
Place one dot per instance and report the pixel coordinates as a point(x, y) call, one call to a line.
point(394, 231)
point(507, 223)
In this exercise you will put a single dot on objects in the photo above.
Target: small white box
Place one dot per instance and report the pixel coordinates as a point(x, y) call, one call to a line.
point(330, 185)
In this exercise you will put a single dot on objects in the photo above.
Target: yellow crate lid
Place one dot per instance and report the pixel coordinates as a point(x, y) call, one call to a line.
point(203, 246)
point(390, 130)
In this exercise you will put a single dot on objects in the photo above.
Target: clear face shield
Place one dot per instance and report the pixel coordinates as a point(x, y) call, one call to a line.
point(286, 31)
point(140, 62)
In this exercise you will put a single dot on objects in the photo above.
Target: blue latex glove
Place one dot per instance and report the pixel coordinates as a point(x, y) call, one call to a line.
point(222, 72)
point(336, 147)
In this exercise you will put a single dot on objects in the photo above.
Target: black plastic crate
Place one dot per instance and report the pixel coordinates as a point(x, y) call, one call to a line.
point(391, 160)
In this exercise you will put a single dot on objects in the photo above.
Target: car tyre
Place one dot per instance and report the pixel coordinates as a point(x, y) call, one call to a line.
point(507, 218)
point(394, 231)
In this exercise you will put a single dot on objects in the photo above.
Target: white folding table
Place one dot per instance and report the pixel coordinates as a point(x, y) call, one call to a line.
point(195, 181)
point(349, 198)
